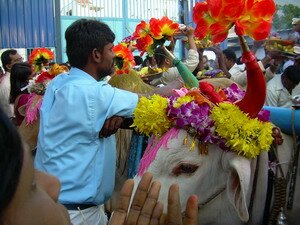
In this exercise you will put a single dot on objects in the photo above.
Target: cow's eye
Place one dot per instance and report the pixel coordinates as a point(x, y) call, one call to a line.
point(184, 168)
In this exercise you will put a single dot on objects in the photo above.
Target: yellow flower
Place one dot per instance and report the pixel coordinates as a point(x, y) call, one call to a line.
point(182, 100)
point(150, 116)
point(246, 136)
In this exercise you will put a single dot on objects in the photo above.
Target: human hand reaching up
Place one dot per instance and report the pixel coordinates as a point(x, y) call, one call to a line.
point(145, 208)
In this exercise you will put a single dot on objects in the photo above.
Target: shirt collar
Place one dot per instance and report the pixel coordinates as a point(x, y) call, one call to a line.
point(80, 73)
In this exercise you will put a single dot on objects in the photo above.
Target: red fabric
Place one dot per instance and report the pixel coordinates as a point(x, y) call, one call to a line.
point(22, 100)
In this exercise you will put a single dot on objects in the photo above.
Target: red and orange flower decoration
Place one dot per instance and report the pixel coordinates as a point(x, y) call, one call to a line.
point(214, 18)
point(149, 35)
point(40, 57)
point(124, 58)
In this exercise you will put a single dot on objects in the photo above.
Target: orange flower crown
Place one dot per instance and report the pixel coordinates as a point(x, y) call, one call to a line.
point(214, 18)
point(40, 57)
point(124, 58)
point(149, 35)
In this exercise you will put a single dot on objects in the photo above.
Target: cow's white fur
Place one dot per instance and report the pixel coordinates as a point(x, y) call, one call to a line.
point(216, 170)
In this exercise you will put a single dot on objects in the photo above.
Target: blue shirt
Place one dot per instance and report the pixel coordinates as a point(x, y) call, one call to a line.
point(74, 109)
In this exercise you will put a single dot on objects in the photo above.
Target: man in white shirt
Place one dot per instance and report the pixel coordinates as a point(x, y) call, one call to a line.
point(8, 59)
point(282, 88)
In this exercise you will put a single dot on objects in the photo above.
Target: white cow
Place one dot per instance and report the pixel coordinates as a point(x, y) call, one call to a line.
point(223, 181)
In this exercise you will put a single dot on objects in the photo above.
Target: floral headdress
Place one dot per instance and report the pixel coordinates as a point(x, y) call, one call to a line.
point(40, 57)
point(208, 115)
point(124, 58)
point(214, 18)
point(149, 35)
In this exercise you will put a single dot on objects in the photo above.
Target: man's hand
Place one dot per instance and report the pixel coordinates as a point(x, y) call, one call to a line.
point(111, 126)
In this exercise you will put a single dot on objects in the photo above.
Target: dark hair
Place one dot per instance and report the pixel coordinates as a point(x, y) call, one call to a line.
point(82, 37)
point(5, 57)
point(160, 56)
point(230, 54)
point(19, 74)
point(138, 60)
point(11, 160)
point(292, 73)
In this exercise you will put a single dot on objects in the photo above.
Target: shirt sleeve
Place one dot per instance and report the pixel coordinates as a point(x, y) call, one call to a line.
point(238, 76)
point(122, 102)
point(269, 74)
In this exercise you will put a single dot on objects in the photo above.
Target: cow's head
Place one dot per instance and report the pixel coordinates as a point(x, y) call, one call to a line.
point(220, 179)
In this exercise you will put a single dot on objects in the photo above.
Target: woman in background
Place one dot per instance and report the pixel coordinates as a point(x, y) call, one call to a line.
point(19, 78)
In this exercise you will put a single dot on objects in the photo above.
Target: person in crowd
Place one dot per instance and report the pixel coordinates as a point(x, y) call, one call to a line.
point(227, 62)
point(29, 197)
point(282, 88)
point(8, 59)
point(203, 64)
point(78, 119)
point(295, 34)
point(165, 63)
point(149, 61)
point(19, 96)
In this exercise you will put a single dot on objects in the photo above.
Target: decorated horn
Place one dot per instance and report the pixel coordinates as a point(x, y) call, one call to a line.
point(255, 95)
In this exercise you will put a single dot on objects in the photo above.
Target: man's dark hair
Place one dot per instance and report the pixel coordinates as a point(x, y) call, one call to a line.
point(82, 37)
point(138, 60)
point(230, 54)
point(5, 57)
point(19, 76)
point(160, 56)
point(292, 73)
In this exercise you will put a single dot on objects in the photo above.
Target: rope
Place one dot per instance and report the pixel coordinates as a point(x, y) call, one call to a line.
point(280, 185)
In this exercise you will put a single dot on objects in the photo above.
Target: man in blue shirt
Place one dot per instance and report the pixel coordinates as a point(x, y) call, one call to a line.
point(76, 106)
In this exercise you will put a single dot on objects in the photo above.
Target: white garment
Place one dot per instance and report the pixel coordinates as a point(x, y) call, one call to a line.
point(278, 95)
point(239, 75)
point(90, 216)
point(4, 95)
point(173, 74)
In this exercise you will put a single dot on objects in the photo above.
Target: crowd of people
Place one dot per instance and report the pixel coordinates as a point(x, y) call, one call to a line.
point(78, 119)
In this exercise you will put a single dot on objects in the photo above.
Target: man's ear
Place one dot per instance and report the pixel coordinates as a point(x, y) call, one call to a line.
point(96, 55)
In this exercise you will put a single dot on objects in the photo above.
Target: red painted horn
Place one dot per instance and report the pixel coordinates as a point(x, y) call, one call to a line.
point(255, 95)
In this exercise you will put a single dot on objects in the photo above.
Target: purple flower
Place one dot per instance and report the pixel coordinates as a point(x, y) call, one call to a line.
point(234, 93)
point(264, 115)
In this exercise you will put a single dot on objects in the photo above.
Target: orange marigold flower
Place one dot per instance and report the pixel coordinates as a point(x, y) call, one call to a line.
point(124, 58)
point(162, 28)
point(214, 18)
point(145, 44)
point(142, 29)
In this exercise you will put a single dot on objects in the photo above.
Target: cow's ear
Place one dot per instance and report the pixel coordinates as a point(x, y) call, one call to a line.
point(238, 185)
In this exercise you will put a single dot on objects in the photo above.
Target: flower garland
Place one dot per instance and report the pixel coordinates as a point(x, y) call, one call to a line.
point(40, 57)
point(149, 35)
point(212, 118)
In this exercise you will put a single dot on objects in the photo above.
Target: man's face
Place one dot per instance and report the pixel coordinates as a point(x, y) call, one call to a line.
point(106, 66)
point(297, 27)
point(14, 59)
